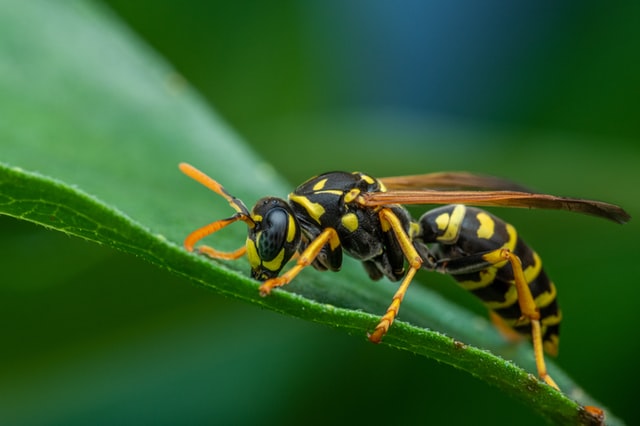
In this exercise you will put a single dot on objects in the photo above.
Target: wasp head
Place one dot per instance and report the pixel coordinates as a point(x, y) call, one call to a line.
point(274, 238)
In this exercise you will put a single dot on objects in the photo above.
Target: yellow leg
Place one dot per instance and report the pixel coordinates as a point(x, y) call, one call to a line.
point(392, 311)
point(329, 235)
point(536, 338)
point(527, 307)
point(390, 221)
point(217, 254)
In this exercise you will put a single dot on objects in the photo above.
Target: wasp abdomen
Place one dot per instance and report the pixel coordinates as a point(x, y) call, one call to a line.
point(459, 236)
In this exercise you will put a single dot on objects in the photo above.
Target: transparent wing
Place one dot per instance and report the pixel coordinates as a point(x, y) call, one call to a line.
point(498, 198)
point(451, 180)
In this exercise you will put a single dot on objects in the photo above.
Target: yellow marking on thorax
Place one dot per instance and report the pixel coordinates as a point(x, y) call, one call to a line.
point(453, 225)
point(487, 226)
point(315, 210)
point(350, 221)
point(385, 225)
point(334, 242)
point(320, 184)
point(367, 178)
point(442, 221)
point(351, 195)
point(331, 191)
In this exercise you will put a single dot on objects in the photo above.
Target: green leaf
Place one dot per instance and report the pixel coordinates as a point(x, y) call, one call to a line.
point(92, 127)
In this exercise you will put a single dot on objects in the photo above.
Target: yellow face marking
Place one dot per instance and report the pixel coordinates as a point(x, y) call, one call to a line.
point(319, 185)
point(350, 221)
point(453, 227)
point(487, 225)
point(315, 210)
point(291, 229)
point(252, 254)
point(256, 218)
point(275, 263)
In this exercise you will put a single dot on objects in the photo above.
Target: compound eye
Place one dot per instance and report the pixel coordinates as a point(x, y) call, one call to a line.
point(274, 231)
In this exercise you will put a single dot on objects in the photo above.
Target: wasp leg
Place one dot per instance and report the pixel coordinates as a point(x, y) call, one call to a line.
point(306, 258)
point(216, 254)
point(209, 229)
point(497, 258)
point(390, 221)
point(527, 306)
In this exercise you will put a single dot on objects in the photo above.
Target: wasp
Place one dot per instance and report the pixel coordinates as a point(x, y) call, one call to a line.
point(364, 217)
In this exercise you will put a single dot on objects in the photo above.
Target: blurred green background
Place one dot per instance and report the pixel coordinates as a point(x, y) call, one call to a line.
point(545, 94)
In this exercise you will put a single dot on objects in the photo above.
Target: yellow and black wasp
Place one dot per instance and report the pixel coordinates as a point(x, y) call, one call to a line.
point(364, 217)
